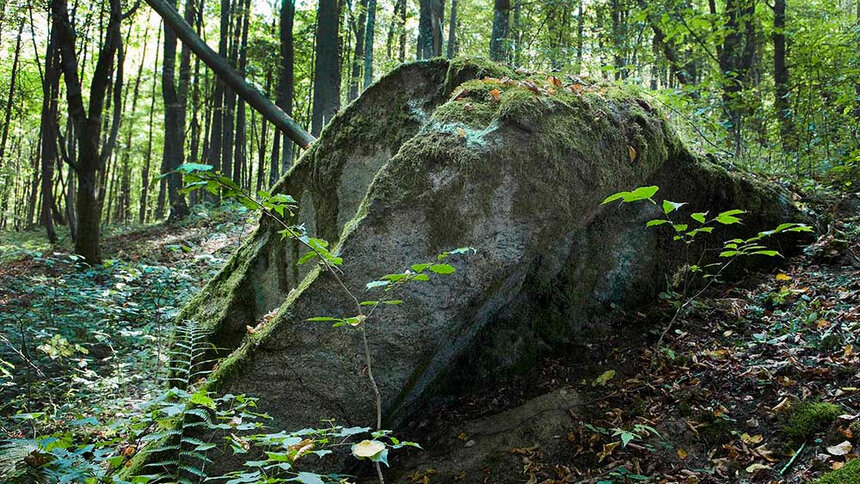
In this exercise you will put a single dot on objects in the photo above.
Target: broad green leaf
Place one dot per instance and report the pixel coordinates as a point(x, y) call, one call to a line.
point(669, 207)
point(373, 284)
point(699, 217)
point(729, 217)
point(442, 268)
point(200, 398)
point(192, 167)
point(655, 222)
point(769, 253)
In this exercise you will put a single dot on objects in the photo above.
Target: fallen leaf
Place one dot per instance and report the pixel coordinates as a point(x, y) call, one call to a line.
point(496, 94)
point(751, 439)
point(752, 468)
point(849, 349)
point(461, 132)
point(840, 449)
point(553, 81)
point(631, 152)
point(604, 378)
point(607, 450)
point(782, 277)
point(682, 454)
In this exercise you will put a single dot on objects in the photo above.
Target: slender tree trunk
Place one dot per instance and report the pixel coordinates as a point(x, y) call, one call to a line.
point(398, 21)
point(174, 130)
point(261, 155)
point(284, 97)
point(123, 208)
point(780, 76)
point(501, 29)
point(327, 73)
point(147, 160)
point(430, 17)
point(358, 55)
point(13, 82)
point(580, 26)
point(452, 31)
point(368, 42)
point(49, 130)
point(240, 156)
point(516, 34)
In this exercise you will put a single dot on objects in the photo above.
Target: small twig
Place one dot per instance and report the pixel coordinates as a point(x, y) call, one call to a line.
point(793, 458)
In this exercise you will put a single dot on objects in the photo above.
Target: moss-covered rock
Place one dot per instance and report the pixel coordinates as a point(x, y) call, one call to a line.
point(848, 474)
point(809, 418)
point(439, 155)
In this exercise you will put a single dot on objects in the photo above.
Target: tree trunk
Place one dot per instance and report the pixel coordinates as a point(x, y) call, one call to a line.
point(398, 20)
point(358, 55)
point(50, 108)
point(327, 73)
point(147, 160)
point(501, 28)
point(430, 28)
point(123, 208)
point(7, 117)
point(174, 129)
point(368, 42)
point(91, 157)
point(240, 156)
point(224, 71)
point(780, 76)
point(580, 25)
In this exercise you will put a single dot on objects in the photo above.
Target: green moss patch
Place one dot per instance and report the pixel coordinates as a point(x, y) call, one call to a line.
point(849, 474)
point(808, 419)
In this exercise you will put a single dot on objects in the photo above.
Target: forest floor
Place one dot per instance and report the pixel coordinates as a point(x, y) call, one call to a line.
point(90, 341)
point(757, 383)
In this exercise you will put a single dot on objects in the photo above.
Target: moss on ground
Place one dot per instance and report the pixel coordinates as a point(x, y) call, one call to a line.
point(808, 419)
point(849, 474)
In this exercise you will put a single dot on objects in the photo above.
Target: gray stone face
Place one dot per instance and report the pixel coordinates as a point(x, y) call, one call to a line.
point(405, 173)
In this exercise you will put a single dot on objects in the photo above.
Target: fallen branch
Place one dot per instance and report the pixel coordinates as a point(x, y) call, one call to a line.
point(222, 68)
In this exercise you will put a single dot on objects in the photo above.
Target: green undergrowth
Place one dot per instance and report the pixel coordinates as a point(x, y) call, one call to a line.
point(849, 474)
point(810, 418)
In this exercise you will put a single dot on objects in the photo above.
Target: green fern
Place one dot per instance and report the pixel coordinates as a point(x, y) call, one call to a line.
point(178, 455)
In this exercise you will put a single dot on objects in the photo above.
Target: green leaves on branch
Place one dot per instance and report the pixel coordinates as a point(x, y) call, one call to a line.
point(641, 193)
point(319, 248)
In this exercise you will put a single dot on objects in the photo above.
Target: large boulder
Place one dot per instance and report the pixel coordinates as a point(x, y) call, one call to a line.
point(427, 160)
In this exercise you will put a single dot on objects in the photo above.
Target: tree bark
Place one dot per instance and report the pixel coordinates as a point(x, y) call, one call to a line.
point(13, 82)
point(780, 76)
point(501, 29)
point(429, 28)
point(240, 157)
point(147, 160)
point(49, 133)
point(327, 73)
point(368, 42)
point(452, 31)
point(91, 157)
point(358, 53)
